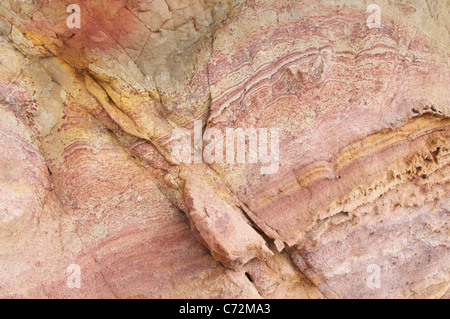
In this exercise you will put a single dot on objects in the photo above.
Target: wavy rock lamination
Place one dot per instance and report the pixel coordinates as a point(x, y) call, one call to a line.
point(88, 178)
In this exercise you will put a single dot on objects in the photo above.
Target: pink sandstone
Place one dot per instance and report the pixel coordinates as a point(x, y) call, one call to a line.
point(87, 176)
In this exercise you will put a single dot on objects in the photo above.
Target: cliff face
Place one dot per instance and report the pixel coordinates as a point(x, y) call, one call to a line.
point(351, 199)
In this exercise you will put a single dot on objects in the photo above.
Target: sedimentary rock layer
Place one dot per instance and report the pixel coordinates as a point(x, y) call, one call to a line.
point(88, 177)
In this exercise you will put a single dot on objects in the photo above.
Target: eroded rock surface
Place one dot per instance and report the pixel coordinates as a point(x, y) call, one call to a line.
point(361, 185)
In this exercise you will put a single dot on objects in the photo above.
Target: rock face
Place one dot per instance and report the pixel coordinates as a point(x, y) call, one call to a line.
point(346, 105)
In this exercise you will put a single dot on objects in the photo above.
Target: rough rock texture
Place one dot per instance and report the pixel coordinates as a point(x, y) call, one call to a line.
point(87, 175)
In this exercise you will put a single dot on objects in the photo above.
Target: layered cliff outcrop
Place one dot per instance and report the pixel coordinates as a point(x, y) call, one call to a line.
point(343, 187)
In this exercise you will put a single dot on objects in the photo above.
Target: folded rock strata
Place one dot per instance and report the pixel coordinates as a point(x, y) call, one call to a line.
point(88, 177)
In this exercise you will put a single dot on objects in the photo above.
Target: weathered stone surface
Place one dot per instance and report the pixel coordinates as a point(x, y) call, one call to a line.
point(88, 177)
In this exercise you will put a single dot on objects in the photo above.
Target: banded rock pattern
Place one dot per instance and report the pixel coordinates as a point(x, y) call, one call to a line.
point(88, 177)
